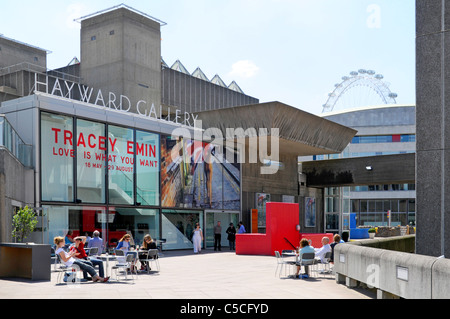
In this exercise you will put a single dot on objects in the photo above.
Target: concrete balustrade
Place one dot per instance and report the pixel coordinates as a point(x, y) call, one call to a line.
point(394, 274)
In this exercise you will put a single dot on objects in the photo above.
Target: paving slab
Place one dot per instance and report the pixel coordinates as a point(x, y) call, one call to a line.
point(184, 275)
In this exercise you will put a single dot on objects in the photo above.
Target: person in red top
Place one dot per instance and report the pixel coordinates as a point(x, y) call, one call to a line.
point(78, 246)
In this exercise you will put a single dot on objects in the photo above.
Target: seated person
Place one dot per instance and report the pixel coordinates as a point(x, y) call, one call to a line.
point(147, 244)
point(336, 240)
point(304, 248)
point(124, 244)
point(78, 247)
point(96, 241)
point(68, 239)
point(69, 260)
point(321, 252)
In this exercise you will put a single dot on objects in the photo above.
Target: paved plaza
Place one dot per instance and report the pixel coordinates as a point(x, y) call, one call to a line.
point(184, 275)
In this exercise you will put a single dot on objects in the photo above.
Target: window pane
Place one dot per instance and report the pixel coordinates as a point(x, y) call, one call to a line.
point(135, 222)
point(178, 227)
point(147, 166)
point(355, 206)
point(57, 157)
point(74, 221)
point(91, 161)
point(121, 165)
point(402, 208)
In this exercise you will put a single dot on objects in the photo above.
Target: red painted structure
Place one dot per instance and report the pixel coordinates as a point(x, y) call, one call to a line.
point(281, 228)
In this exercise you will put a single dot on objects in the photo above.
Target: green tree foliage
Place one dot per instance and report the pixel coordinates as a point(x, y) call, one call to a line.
point(24, 223)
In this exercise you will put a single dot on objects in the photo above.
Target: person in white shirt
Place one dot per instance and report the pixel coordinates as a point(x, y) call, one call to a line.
point(68, 260)
point(320, 252)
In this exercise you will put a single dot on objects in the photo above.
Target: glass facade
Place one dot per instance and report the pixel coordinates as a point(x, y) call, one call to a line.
point(375, 212)
point(91, 168)
point(119, 180)
point(57, 158)
point(384, 139)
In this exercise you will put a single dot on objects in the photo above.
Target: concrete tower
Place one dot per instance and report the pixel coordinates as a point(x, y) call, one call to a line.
point(433, 127)
point(121, 53)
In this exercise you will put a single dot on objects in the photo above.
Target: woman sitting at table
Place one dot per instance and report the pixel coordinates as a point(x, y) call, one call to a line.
point(124, 244)
point(69, 260)
point(147, 244)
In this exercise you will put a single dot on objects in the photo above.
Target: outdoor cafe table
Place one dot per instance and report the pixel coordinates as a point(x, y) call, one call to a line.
point(107, 258)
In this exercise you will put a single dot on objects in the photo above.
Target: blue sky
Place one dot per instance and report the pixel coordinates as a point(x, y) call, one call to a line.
point(292, 51)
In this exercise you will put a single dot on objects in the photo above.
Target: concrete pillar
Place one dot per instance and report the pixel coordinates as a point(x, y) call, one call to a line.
point(385, 295)
point(351, 283)
point(433, 127)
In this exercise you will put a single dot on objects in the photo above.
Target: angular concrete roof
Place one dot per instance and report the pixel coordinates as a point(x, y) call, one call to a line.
point(300, 133)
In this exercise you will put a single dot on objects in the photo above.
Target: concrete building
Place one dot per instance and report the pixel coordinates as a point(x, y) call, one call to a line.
point(86, 127)
point(382, 130)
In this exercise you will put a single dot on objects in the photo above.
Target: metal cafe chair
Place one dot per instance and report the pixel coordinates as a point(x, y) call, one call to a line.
point(125, 267)
point(93, 251)
point(282, 263)
point(152, 257)
point(326, 270)
point(308, 261)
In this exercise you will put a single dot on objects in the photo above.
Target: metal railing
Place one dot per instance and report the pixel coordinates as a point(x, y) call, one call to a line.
point(12, 141)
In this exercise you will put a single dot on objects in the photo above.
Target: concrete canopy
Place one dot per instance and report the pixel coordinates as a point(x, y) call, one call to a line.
point(300, 133)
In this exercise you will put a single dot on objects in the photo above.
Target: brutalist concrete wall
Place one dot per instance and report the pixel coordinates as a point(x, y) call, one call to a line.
point(13, 52)
point(433, 127)
point(121, 53)
point(16, 190)
point(393, 273)
point(191, 94)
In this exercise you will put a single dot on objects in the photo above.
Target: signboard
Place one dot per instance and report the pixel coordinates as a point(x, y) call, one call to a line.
point(70, 90)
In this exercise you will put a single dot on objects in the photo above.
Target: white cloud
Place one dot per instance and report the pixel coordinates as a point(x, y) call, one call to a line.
point(244, 69)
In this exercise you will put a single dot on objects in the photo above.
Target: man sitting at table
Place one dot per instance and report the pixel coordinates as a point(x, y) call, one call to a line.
point(81, 254)
point(320, 252)
point(96, 241)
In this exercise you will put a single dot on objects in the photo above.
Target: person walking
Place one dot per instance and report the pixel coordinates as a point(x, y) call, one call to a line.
point(217, 237)
point(231, 231)
point(197, 238)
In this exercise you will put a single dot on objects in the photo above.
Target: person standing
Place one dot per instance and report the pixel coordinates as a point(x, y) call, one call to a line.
point(241, 228)
point(197, 238)
point(217, 236)
point(231, 231)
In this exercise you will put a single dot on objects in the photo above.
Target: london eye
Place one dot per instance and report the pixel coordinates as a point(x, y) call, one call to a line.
point(360, 88)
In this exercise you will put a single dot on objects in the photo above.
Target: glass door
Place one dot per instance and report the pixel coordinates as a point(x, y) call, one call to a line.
point(225, 218)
